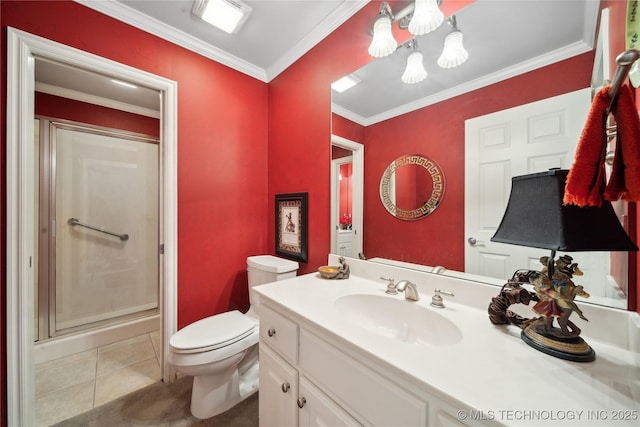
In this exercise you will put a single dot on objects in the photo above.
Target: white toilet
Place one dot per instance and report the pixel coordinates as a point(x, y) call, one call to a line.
point(221, 351)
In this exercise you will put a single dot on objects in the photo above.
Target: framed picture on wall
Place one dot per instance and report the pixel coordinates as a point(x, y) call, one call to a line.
point(291, 226)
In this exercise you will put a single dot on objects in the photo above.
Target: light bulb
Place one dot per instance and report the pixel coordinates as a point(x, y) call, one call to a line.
point(454, 52)
point(415, 72)
point(383, 43)
point(426, 17)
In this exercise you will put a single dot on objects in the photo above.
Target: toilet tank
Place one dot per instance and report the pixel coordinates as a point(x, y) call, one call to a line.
point(266, 269)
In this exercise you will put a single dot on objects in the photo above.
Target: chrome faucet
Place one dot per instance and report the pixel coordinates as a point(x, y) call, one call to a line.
point(438, 269)
point(409, 289)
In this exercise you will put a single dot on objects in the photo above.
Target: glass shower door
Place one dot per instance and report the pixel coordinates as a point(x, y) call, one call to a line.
point(106, 228)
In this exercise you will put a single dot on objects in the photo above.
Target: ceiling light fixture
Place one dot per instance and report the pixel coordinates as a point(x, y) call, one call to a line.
point(227, 15)
point(418, 18)
point(427, 16)
point(346, 82)
point(415, 71)
point(454, 53)
point(383, 43)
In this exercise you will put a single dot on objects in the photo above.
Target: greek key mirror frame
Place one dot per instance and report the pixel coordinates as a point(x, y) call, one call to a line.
point(388, 191)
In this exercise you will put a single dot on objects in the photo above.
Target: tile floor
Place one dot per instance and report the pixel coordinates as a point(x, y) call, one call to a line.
point(75, 384)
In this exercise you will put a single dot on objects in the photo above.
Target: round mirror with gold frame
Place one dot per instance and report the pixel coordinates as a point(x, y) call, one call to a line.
point(412, 187)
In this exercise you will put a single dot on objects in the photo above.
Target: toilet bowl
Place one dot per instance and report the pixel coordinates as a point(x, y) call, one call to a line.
point(221, 351)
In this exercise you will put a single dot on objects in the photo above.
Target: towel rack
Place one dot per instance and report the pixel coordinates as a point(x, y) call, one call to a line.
point(625, 60)
point(75, 221)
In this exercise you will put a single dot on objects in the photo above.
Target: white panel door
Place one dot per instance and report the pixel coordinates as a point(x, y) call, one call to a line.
point(111, 184)
point(522, 140)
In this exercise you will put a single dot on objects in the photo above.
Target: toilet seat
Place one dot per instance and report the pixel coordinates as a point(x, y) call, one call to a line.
point(212, 333)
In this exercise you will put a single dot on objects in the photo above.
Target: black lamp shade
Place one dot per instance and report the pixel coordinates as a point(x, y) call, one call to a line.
point(536, 217)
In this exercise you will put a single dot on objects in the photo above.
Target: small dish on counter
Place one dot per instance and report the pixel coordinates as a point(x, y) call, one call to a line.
point(328, 271)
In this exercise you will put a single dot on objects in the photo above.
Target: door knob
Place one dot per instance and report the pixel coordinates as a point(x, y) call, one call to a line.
point(271, 332)
point(285, 387)
point(473, 242)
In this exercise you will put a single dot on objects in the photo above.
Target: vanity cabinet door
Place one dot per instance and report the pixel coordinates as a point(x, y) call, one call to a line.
point(277, 406)
point(318, 410)
point(372, 398)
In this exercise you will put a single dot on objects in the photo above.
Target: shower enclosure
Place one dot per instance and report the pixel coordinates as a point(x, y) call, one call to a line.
point(98, 239)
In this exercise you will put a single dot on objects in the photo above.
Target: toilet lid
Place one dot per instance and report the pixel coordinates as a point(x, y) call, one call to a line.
point(212, 332)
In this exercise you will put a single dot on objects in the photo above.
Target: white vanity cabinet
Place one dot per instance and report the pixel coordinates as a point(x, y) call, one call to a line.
point(306, 379)
point(286, 398)
point(346, 349)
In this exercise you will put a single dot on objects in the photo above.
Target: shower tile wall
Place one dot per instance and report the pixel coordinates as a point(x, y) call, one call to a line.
point(74, 384)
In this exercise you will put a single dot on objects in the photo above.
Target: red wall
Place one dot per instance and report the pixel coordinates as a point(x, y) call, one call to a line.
point(222, 172)
point(346, 128)
point(61, 108)
point(300, 122)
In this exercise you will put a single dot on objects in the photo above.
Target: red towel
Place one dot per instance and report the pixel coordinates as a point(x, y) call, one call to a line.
point(586, 178)
point(624, 182)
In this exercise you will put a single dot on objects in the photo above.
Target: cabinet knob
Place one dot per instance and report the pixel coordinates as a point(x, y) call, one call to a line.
point(285, 387)
point(271, 332)
point(301, 402)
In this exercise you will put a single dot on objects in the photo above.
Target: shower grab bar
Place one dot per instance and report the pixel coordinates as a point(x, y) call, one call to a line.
point(75, 221)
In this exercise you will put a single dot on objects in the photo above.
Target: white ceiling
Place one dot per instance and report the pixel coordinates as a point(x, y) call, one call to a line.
point(504, 39)
point(275, 35)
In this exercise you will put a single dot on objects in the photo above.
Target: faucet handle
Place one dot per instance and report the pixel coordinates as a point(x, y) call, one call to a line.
point(391, 286)
point(437, 301)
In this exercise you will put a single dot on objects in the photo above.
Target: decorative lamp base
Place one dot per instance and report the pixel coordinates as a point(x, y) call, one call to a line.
point(556, 343)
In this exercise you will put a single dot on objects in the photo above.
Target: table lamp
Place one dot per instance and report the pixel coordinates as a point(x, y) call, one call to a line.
point(536, 217)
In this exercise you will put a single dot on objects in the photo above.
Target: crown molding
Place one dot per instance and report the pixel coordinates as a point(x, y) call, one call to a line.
point(131, 16)
point(504, 74)
point(341, 14)
point(153, 26)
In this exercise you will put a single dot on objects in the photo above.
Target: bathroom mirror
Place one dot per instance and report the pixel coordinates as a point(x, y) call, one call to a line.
point(412, 187)
point(480, 22)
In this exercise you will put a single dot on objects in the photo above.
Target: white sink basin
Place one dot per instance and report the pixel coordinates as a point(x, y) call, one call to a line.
point(398, 319)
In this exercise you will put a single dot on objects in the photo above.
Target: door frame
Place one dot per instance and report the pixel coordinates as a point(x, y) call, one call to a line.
point(20, 187)
point(357, 185)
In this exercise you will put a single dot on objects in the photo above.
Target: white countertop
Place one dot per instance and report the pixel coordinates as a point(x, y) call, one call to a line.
point(490, 370)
